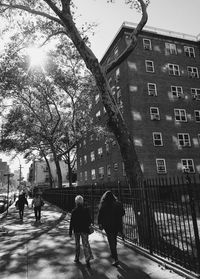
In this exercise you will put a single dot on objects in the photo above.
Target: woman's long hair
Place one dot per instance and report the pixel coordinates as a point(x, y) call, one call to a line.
point(107, 199)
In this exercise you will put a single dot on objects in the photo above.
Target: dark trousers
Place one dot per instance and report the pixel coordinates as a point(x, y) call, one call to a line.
point(21, 213)
point(112, 240)
point(37, 211)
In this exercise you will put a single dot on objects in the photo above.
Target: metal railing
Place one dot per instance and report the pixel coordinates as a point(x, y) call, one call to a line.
point(162, 215)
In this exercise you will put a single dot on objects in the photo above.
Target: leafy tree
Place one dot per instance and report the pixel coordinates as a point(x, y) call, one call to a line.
point(58, 17)
point(55, 106)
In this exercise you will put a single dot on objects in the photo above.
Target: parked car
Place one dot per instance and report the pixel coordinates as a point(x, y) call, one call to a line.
point(3, 203)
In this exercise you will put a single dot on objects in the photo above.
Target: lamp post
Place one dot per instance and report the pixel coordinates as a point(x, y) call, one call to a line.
point(8, 188)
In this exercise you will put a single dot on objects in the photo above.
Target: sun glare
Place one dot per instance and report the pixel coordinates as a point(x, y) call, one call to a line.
point(37, 57)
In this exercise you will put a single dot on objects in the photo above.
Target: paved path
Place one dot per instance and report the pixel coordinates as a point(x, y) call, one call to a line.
point(32, 251)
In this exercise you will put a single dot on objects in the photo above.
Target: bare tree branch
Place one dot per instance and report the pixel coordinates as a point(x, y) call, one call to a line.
point(31, 11)
point(133, 42)
point(52, 35)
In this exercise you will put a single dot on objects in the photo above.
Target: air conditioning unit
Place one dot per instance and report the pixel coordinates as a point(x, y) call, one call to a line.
point(187, 144)
point(147, 47)
point(192, 75)
point(155, 117)
point(180, 95)
point(152, 93)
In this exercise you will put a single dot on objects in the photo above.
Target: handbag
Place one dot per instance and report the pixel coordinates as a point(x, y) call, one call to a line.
point(91, 229)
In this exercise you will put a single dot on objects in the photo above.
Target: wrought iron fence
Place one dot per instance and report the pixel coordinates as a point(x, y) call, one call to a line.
point(162, 215)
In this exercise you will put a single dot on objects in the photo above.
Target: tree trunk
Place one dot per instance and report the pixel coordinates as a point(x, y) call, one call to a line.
point(49, 170)
point(58, 170)
point(69, 170)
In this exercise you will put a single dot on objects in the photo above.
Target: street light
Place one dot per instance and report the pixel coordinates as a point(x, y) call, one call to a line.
point(8, 175)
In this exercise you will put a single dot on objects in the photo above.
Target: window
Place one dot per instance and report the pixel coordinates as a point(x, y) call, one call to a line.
point(85, 159)
point(100, 152)
point(93, 174)
point(170, 48)
point(147, 44)
point(187, 164)
point(119, 97)
point(123, 169)
point(92, 156)
point(180, 115)
point(161, 166)
point(114, 142)
point(117, 75)
point(173, 70)
point(96, 98)
point(152, 90)
point(107, 148)
point(116, 52)
point(80, 161)
point(199, 138)
point(115, 165)
point(197, 115)
point(108, 170)
point(177, 91)
point(101, 172)
point(192, 72)
point(154, 113)
point(149, 66)
point(189, 51)
point(128, 38)
point(98, 114)
point(195, 92)
point(84, 142)
point(91, 137)
point(157, 139)
point(85, 174)
point(184, 139)
point(81, 176)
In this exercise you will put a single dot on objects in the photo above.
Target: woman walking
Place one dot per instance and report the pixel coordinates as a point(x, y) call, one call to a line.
point(20, 203)
point(110, 216)
point(79, 223)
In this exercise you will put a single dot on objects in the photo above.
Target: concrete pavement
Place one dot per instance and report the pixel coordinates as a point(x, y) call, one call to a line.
point(45, 251)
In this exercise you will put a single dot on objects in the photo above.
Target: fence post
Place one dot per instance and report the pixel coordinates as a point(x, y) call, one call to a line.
point(194, 217)
point(92, 202)
point(119, 190)
point(148, 216)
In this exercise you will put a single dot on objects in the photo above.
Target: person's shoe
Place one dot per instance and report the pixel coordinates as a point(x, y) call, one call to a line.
point(88, 264)
point(115, 263)
point(76, 261)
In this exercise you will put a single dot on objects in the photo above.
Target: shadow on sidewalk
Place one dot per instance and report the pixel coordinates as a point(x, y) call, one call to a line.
point(13, 240)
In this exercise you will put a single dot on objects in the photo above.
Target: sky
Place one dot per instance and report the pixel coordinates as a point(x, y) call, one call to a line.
point(174, 15)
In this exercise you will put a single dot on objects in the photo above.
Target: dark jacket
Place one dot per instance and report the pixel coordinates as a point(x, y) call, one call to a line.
point(80, 220)
point(20, 203)
point(110, 217)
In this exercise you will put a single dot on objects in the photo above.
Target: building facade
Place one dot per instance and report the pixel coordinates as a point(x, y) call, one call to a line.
point(157, 89)
point(39, 174)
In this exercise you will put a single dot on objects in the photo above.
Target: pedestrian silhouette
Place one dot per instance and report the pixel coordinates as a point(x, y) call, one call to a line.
point(110, 216)
point(79, 224)
point(37, 203)
point(20, 203)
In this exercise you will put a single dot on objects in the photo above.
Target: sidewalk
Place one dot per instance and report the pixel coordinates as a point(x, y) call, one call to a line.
point(45, 251)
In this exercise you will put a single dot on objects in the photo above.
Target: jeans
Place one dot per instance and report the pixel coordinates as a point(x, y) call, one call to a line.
point(37, 211)
point(21, 213)
point(86, 246)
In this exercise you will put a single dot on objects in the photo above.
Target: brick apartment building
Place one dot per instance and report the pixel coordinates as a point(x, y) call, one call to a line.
point(158, 91)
